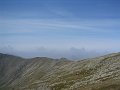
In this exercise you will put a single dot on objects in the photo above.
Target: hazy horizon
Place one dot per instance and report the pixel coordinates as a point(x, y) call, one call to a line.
point(59, 28)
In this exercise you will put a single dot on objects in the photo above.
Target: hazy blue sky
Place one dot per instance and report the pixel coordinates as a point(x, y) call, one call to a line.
point(29, 25)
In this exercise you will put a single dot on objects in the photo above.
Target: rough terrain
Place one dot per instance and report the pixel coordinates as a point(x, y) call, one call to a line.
point(42, 73)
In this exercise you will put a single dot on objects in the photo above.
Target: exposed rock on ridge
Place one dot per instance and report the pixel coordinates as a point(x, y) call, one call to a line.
point(41, 73)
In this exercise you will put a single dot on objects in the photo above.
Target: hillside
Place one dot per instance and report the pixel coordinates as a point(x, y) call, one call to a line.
point(42, 73)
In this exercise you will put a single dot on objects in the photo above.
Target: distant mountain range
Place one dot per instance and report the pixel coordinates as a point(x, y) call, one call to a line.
point(42, 73)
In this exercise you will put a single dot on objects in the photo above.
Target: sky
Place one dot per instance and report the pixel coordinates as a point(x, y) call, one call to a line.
point(59, 28)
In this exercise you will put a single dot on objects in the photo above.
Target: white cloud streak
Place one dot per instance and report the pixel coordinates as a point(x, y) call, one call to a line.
point(28, 25)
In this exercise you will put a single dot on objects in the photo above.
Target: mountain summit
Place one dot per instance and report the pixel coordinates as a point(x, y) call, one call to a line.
point(42, 73)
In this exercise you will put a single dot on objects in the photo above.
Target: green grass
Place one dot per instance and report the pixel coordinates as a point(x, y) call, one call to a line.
point(7, 88)
point(71, 78)
point(109, 87)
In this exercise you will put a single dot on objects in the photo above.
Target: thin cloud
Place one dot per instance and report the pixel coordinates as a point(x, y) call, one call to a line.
point(26, 26)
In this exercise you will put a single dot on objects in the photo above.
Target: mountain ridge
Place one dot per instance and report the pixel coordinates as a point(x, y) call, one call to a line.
point(42, 73)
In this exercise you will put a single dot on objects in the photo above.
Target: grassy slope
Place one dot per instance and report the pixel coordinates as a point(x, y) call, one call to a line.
point(102, 73)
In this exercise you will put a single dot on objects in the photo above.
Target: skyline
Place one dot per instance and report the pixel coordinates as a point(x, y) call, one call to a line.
point(59, 25)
